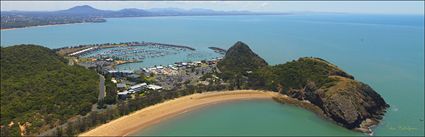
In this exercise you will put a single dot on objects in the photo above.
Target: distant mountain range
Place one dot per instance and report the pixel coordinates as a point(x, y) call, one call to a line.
point(85, 13)
point(86, 10)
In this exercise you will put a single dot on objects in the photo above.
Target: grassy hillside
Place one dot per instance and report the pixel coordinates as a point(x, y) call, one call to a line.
point(297, 74)
point(38, 87)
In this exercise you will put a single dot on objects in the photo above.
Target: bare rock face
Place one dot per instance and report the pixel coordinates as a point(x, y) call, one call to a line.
point(350, 102)
point(347, 102)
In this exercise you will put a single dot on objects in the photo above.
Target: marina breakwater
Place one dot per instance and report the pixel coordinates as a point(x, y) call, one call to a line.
point(84, 49)
point(135, 55)
point(218, 50)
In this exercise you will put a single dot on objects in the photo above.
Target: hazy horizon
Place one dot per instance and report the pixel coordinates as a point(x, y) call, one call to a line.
point(364, 7)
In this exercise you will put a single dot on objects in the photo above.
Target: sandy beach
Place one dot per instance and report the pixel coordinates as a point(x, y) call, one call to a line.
point(151, 115)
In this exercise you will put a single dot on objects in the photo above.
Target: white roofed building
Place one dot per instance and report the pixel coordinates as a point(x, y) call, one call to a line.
point(154, 87)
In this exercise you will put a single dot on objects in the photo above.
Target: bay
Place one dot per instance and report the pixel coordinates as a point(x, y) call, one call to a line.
point(257, 117)
point(384, 51)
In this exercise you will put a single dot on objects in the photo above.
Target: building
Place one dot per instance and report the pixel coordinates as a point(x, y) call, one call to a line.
point(159, 67)
point(121, 73)
point(121, 86)
point(123, 95)
point(131, 91)
point(154, 87)
point(133, 77)
point(137, 88)
point(114, 81)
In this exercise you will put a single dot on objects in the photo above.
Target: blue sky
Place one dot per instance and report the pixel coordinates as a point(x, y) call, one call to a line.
point(375, 7)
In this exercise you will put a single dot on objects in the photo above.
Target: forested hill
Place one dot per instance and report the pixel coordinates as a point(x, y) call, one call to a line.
point(338, 97)
point(39, 88)
point(238, 62)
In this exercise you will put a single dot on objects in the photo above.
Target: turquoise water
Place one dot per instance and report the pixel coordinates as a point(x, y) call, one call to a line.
point(148, 56)
point(246, 118)
point(384, 51)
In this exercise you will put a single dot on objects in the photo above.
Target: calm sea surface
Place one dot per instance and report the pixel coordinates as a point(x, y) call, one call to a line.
point(384, 51)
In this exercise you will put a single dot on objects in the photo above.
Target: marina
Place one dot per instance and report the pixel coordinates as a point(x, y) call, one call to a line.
point(134, 56)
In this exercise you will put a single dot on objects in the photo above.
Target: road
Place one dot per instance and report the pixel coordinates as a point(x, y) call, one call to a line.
point(101, 87)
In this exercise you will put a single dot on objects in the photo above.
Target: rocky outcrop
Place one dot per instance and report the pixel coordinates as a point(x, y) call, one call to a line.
point(238, 62)
point(347, 102)
point(350, 103)
point(240, 58)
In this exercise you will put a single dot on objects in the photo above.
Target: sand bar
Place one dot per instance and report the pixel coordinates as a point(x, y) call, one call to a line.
point(151, 115)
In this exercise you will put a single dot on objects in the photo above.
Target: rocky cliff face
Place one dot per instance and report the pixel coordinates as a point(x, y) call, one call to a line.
point(350, 103)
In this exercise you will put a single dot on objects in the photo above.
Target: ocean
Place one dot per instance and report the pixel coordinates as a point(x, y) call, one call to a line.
point(383, 51)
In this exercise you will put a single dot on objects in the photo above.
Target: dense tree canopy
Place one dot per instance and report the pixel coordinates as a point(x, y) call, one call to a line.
point(37, 86)
point(238, 62)
point(298, 73)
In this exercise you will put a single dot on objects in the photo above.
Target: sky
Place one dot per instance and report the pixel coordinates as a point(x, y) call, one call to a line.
point(373, 7)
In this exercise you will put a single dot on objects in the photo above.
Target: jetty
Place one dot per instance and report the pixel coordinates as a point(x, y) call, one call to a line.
point(218, 50)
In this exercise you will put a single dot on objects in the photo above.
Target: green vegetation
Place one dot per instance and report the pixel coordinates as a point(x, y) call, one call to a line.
point(38, 87)
point(13, 21)
point(242, 68)
point(111, 91)
point(95, 118)
point(341, 98)
point(297, 74)
point(147, 79)
point(238, 62)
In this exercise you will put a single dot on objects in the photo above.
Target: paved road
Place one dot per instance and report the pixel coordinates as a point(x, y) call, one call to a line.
point(101, 87)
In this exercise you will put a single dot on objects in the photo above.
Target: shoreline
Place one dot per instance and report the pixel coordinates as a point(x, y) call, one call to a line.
point(258, 14)
point(136, 121)
point(40, 26)
point(141, 119)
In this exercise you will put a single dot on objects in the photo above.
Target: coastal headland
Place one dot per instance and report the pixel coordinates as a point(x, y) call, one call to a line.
point(311, 83)
point(151, 115)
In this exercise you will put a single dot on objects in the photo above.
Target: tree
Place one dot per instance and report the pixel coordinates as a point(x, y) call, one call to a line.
point(101, 104)
point(81, 124)
point(59, 132)
point(4, 131)
point(70, 129)
point(51, 88)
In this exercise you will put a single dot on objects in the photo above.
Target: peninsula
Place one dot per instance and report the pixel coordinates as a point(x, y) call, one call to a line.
point(347, 102)
point(311, 83)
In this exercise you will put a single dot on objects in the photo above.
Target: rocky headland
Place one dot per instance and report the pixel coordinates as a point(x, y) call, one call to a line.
point(317, 84)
